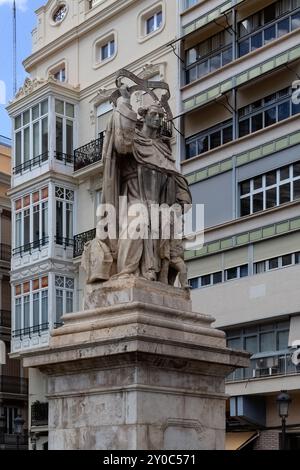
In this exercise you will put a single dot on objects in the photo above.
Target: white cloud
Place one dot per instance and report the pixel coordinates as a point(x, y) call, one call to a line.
point(21, 4)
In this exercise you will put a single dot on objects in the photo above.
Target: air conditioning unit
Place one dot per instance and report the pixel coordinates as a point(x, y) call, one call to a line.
point(267, 362)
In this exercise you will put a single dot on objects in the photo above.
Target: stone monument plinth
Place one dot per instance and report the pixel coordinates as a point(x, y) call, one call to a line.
point(140, 372)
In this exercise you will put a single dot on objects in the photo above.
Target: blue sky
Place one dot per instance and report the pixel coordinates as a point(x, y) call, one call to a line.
point(26, 21)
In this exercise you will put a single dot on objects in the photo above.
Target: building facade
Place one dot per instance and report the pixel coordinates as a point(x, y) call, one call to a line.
point(13, 379)
point(237, 140)
point(240, 153)
point(59, 118)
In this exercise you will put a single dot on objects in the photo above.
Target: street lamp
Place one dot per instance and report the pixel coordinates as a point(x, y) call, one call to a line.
point(283, 401)
point(18, 428)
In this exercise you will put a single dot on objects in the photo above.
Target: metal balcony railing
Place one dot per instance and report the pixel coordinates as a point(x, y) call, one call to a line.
point(29, 247)
point(30, 331)
point(9, 384)
point(64, 157)
point(266, 366)
point(81, 239)
point(5, 252)
point(5, 318)
point(89, 153)
point(39, 413)
point(29, 164)
point(63, 241)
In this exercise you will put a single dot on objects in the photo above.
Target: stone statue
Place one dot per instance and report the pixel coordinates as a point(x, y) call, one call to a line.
point(138, 167)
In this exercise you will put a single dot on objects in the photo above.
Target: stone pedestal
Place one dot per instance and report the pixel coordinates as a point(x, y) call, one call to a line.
point(141, 371)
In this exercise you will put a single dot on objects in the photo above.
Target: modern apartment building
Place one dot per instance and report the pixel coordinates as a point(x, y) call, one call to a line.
point(59, 117)
point(241, 155)
point(13, 381)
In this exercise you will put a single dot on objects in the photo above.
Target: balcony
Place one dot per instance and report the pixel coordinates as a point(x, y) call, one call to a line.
point(5, 318)
point(263, 366)
point(81, 239)
point(29, 247)
point(39, 414)
point(29, 164)
point(64, 157)
point(5, 252)
point(9, 384)
point(30, 331)
point(89, 153)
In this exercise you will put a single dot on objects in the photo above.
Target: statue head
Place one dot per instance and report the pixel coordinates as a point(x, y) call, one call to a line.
point(152, 116)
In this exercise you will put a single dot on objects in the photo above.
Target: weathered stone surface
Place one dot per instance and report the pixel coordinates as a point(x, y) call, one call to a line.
point(136, 373)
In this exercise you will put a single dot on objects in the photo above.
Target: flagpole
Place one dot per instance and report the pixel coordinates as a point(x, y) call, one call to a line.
point(14, 48)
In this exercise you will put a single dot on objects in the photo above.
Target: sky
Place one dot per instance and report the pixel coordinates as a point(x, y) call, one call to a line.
point(26, 21)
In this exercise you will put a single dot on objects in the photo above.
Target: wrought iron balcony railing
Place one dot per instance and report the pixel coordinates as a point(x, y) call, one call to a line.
point(39, 413)
point(89, 153)
point(29, 164)
point(64, 157)
point(29, 247)
point(63, 241)
point(266, 366)
point(81, 239)
point(5, 252)
point(9, 384)
point(5, 318)
point(30, 331)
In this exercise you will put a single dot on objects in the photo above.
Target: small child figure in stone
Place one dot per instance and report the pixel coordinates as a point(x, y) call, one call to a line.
point(172, 254)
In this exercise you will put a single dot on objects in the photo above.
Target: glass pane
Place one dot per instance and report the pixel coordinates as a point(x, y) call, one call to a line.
point(245, 206)
point(244, 271)
point(227, 56)
point(283, 27)
point(283, 111)
point(245, 27)
point(273, 263)
point(206, 280)
point(284, 173)
point(203, 144)
point(159, 19)
point(244, 47)
point(18, 239)
point(18, 318)
point(18, 151)
point(59, 135)
point(26, 117)
point(26, 144)
point(270, 117)
point(191, 75)
point(271, 198)
point(260, 267)
point(45, 135)
point(287, 260)
point(191, 150)
point(234, 343)
point(26, 227)
point(70, 137)
point(194, 283)
point(295, 21)
point(231, 274)
point(44, 306)
point(69, 221)
point(282, 340)
point(26, 322)
point(44, 107)
point(35, 112)
point(271, 178)
point(36, 139)
point(250, 344)
point(150, 25)
point(295, 109)
point(244, 127)
point(270, 13)
point(59, 222)
point(217, 277)
point(284, 193)
point(215, 139)
point(227, 134)
point(258, 202)
point(256, 41)
point(59, 305)
point(245, 187)
point(36, 223)
point(18, 121)
point(267, 342)
point(215, 62)
point(297, 189)
point(203, 69)
point(36, 309)
point(191, 56)
point(70, 110)
point(44, 219)
point(69, 302)
point(296, 169)
point(257, 122)
point(270, 34)
point(257, 182)
point(59, 106)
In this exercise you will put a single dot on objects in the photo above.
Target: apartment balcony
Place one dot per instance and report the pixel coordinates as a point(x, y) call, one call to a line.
point(36, 336)
point(30, 331)
point(81, 239)
point(39, 414)
point(5, 252)
point(88, 154)
point(29, 247)
point(13, 385)
point(30, 164)
point(266, 365)
point(5, 318)
point(64, 158)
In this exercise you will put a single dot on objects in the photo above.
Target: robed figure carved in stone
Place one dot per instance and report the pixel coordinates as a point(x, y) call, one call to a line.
point(139, 167)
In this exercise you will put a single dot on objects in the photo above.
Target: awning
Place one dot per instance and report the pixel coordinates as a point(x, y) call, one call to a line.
point(238, 440)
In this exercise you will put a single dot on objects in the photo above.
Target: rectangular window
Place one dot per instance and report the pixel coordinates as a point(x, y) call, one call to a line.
point(18, 313)
point(59, 135)
point(107, 50)
point(59, 305)
point(26, 321)
point(69, 301)
point(44, 220)
point(59, 222)
point(45, 307)
point(36, 224)
point(154, 22)
point(18, 234)
point(36, 309)
point(26, 227)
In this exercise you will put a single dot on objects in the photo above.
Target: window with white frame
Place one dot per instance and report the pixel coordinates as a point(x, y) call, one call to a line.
point(31, 137)
point(31, 221)
point(211, 279)
point(64, 296)
point(270, 190)
point(153, 22)
point(31, 314)
point(104, 111)
point(278, 262)
point(108, 50)
point(64, 215)
point(59, 74)
point(105, 48)
point(64, 126)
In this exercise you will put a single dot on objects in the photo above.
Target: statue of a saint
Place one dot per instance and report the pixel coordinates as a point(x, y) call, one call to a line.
point(138, 166)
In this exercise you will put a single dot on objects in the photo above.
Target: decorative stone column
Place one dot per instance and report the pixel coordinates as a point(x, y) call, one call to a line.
point(141, 371)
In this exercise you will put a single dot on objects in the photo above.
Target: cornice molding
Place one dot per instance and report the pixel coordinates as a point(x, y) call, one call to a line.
point(42, 267)
point(49, 176)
